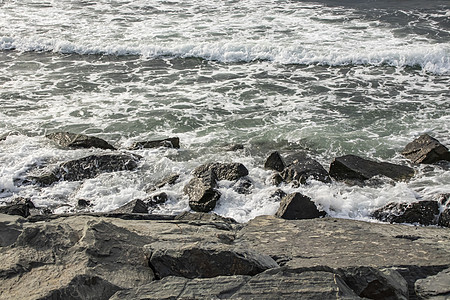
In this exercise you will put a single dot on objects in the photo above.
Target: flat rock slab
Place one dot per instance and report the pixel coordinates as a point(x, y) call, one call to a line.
point(343, 243)
point(352, 167)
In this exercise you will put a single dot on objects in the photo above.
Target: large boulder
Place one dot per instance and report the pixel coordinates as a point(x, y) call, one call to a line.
point(173, 142)
point(423, 212)
point(87, 167)
point(352, 167)
point(73, 140)
point(205, 261)
point(297, 206)
point(302, 168)
point(202, 192)
point(426, 150)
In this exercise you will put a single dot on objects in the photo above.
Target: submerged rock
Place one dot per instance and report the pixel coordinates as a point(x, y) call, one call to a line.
point(73, 140)
point(422, 212)
point(169, 180)
point(376, 283)
point(87, 167)
point(426, 150)
point(352, 167)
point(173, 142)
point(297, 206)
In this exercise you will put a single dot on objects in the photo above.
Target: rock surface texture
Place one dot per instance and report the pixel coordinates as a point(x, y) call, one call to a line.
point(426, 150)
point(204, 256)
point(352, 167)
point(73, 140)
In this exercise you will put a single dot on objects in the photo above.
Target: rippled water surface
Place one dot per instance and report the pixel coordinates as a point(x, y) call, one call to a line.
point(327, 77)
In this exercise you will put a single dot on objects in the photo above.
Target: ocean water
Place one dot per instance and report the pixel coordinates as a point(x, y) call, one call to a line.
point(326, 77)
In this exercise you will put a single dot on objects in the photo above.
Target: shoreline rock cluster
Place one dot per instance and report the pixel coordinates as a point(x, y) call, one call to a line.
point(300, 253)
point(294, 169)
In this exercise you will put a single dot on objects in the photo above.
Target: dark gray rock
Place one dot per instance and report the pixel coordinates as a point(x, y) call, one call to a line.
point(87, 167)
point(426, 150)
point(302, 168)
point(297, 206)
point(136, 206)
point(444, 217)
point(158, 198)
point(202, 192)
point(235, 147)
point(73, 140)
point(82, 203)
point(274, 162)
point(173, 142)
point(243, 186)
point(271, 285)
point(205, 261)
point(352, 167)
point(375, 283)
point(15, 209)
point(84, 287)
point(422, 212)
point(435, 287)
point(169, 180)
point(223, 171)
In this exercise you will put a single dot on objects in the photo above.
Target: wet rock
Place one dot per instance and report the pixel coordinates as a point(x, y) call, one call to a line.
point(352, 167)
point(223, 171)
point(435, 287)
point(272, 284)
point(202, 192)
point(173, 142)
point(10, 229)
point(87, 167)
point(243, 186)
point(274, 162)
point(426, 150)
point(297, 206)
point(73, 140)
point(276, 179)
point(444, 217)
point(278, 194)
point(19, 207)
point(373, 283)
point(205, 217)
point(169, 180)
point(158, 198)
point(82, 203)
point(422, 212)
point(205, 261)
point(136, 206)
point(302, 168)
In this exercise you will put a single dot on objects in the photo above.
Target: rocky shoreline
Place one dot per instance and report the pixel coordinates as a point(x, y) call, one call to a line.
point(300, 253)
point(205, 256)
